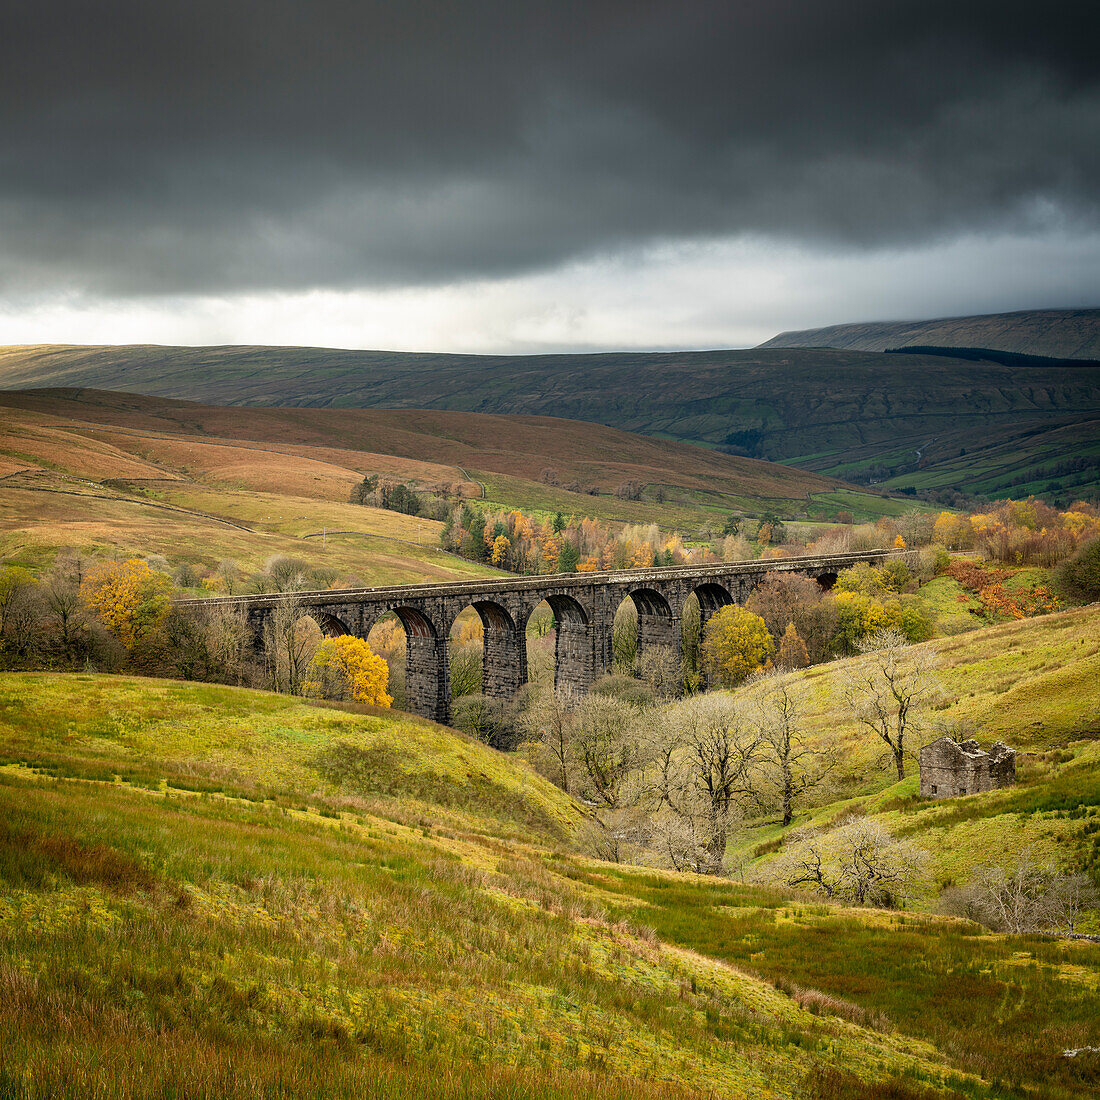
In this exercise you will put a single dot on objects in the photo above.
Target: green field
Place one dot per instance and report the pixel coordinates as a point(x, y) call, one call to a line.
point(684, 510)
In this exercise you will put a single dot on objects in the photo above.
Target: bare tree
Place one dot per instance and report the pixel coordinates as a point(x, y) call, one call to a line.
point(17, 588)
point(283, 574)
point(915, 526)
point(629, 490)
point(875, 868)
point(607, 749)
point(662, 668)
point(289, 645)
point(229, 574)
point(227, 635)
point(706, 757)
point(548, 723)
point(64, 606)
point(794, 764)
point(859, 861)
point(782, 598)
point(675, 840)
point(617, 835)
point(488, 719)
point(806, 864)
point(1028, 896)
point(23, 621)
point(70, 566)
point(889, 688)
point(466, 669)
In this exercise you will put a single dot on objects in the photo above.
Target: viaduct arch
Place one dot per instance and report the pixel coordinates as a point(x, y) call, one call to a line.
point(584, 606)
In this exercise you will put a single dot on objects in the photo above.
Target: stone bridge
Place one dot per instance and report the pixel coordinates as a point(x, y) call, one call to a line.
point(584, 607)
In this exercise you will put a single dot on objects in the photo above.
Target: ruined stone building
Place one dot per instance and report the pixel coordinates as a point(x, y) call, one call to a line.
point(951, 768)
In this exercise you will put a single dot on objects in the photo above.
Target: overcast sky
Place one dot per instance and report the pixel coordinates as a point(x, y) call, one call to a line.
point(519, 176)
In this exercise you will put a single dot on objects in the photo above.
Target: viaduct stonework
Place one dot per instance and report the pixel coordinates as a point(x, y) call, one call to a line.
point(584, 606)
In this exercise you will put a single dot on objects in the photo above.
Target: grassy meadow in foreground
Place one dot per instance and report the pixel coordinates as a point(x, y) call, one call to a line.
point(207, 890)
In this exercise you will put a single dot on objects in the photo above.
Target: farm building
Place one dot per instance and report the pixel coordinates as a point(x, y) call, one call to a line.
point(951, 768)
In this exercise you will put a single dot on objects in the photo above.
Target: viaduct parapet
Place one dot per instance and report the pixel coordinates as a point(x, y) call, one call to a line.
point(584, 607)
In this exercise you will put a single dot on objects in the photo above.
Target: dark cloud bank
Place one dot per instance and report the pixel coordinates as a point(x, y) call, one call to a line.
point(211, 146)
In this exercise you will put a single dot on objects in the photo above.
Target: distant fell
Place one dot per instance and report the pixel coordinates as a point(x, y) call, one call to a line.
point(910, 422)
point(1058, 333)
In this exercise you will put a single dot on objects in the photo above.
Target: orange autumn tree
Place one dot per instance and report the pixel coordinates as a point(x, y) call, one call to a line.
point(792, 650)
point(345, 668)
point(130, 599)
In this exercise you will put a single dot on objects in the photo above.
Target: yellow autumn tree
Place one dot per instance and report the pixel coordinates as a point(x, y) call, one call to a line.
point(736, 643)
point(501, 546)
point(345, 668)
point(389, 638)
point(471, 630)
point(130, 599)
point(551, 550)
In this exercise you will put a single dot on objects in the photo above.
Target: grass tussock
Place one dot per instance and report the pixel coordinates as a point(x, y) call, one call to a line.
point(29, 861)
point(825, 1004)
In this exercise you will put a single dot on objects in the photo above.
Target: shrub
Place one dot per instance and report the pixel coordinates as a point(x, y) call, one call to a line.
point(1080, 576)
point(488, 719)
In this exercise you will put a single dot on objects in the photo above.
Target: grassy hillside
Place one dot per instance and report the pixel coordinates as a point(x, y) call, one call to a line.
point(1034, 684)
point(835, 411)
point(207, 891)
point(1062, 333)
point(516, 445)
point(368, 546)
point(1030, 456)
point(322, 453)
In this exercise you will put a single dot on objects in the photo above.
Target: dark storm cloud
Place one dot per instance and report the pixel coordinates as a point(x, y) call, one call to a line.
point(165, 146)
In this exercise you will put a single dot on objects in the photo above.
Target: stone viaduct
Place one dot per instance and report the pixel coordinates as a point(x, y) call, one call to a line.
point(584, 607)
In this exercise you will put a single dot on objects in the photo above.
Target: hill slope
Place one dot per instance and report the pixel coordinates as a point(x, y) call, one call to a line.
point(516, 445)
point(1061, 333)
point(84, 470)
point(253, 898)
point(843, 413)
point(1034, 684)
